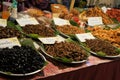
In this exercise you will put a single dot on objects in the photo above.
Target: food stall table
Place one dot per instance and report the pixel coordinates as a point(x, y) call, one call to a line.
point(57, 71)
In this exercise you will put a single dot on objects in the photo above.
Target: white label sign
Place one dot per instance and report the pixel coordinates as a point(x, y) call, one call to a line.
point(3, 22)
point(51, 40)
point(61, 22)
point(56, 7)
point(9, 42)
point(26, 21)
point(84, 36)
point(92, 21)
point(104, 9)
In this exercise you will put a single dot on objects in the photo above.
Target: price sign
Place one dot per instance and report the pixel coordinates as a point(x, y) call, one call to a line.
point(104, 9)
point(9, 42)
point(51, 40)
point(61, 22)
point(84, 36)
point(26, 21)
point(3, 22)
point(92, 21)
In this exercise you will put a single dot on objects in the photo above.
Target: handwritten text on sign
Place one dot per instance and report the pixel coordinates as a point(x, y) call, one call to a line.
point(3, 22)
point(51, 40)
point(92, 21)
point(9, 42)
point(84, 36)
point(61, 22)
point(26, 21)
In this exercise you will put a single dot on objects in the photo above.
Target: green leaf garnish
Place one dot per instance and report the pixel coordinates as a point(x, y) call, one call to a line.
point(34, 36)
point(18, 27)
point(86, 30)
point(10, 24)
point(115, 20)
point(100, 53)
point(117, 50)
point(27, 42)
point(69, 40)
point(56, 32)
point(88, 49)
point(63, 59)
point(83, 44)
point(72, 36)
point(73, 23)
point(107, 27)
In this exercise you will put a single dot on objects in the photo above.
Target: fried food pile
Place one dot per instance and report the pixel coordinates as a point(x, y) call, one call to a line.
point(96, 12)
point(111, 35)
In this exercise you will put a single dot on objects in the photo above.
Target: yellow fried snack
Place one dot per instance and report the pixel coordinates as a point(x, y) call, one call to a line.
point(111, 35)
point(35, 12)
point(96, 12)
point(58, 8)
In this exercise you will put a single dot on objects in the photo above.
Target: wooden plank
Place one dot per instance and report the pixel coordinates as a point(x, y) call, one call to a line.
point(72, 4)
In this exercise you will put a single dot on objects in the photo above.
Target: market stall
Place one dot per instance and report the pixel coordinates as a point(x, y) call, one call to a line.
point(69, 44)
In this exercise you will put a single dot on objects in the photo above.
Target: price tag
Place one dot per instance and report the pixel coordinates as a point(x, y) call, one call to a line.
point(3, 22)
point(26, 21)
point(61, 22)
point(59, 39)
point(104, 9)
point(84, 36)
point(51, 40)
point(9, 42)
point(48, 40)
point(92, 21)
